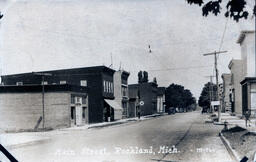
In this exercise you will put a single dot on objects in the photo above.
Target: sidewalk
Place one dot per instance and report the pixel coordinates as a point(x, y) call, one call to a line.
point(237, 121)
point(239, 140)
point(16, 140)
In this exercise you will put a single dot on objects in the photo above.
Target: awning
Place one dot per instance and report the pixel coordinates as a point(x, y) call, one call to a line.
point(113, 104)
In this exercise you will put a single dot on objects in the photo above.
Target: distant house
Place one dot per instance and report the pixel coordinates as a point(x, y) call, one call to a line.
point(226, 79)
point(247, 42)
point(98, 80)
point(121, 92)
point(161, 99)
point(147, 94)
point(235, 89)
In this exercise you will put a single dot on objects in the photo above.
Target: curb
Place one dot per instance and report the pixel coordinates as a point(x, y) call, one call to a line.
point(15, 146)
point(125, 122)
point(234, 155)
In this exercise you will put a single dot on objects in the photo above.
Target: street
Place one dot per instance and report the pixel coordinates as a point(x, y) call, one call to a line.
point(179, 137)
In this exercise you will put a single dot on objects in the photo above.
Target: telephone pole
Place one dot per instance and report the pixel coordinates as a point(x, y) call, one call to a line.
point(43, 92)
point(217, 74)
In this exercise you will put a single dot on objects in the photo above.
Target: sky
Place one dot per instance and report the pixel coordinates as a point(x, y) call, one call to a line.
point(38, 35)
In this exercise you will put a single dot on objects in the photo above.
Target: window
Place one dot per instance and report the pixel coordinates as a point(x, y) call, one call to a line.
point(83, 83)
point(83, 100)
point(72, 99)
point(78, 99)
point(124, 91)
point(63, 82)
point(104, 86)
point(44, 83)
point(83, 113)
point(19, 83)
point(108, 86)
point(112, 87)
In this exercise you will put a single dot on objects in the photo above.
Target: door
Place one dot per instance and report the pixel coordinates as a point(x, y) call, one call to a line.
point(73, 116)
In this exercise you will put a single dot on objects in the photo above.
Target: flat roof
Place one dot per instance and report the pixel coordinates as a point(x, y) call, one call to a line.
point(38, 88)
point(91, 68)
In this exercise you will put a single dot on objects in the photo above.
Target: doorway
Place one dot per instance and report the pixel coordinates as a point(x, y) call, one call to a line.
point(73, 115)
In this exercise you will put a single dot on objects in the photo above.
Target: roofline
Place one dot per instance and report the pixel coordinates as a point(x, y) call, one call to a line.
point(103, 67)
point(242, 35)
point(232, 62)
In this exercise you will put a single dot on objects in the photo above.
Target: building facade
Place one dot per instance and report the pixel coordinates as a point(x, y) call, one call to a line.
point(235, 88)
point(26, 107)
point(147, 94)
point(161, 100)
point(121, 91)
point(247, 42)
point(98, 79)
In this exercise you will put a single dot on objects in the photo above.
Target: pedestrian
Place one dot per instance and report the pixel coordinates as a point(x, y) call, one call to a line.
point(138, 112)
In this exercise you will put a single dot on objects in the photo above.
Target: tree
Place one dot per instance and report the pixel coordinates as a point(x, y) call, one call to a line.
point(1, 15)
point(235, 9)
point(177, 96)
point(204, 99)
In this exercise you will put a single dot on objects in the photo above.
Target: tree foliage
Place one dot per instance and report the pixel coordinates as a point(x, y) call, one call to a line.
point(204, 99)
point(177, 96)
point(235, 9)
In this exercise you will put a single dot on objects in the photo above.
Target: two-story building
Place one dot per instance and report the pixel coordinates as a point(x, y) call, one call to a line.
point(121, 92)
point(247, 42)
point(98, 80)
point(236, 71)
point(147, 96)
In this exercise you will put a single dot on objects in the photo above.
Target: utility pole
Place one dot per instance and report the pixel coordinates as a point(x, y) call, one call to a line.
point(217, 74)
point(43, 91)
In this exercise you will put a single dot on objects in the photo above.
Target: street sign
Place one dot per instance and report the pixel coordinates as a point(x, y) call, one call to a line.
point(141, 103)
point(215, 103)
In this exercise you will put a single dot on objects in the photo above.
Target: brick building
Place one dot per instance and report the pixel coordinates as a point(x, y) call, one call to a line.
point(147, 92)
point(25, 107)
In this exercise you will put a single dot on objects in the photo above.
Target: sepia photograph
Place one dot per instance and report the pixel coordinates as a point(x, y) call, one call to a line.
point(127, 81)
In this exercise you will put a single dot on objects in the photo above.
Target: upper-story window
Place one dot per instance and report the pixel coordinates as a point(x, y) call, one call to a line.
point(108, 87)
point(125, 91)
point(44, 83)
point(19, 83)
point(63, 82)
point(83, 83)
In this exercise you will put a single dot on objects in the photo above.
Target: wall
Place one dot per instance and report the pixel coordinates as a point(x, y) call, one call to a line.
point(21, 111)
point(236, 78)
point(248, 55)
